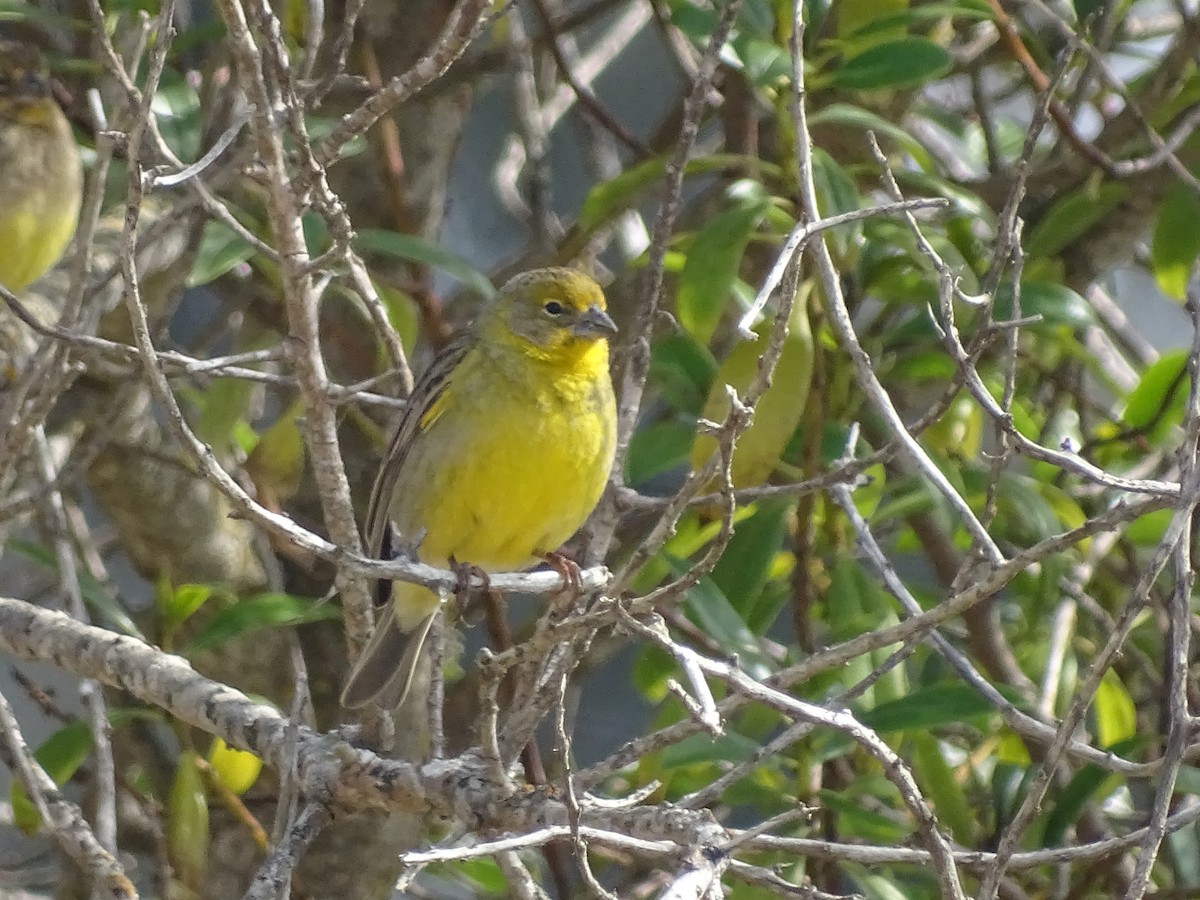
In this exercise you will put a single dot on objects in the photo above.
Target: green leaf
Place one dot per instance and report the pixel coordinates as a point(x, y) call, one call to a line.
point(61, 756)
point(187, 822)
point(764, 62)
point(178, 604)
point(1148, 530)
point(657, 448)
point(853, 15)
point(1176, 241)
point(1056, 303)
point(742, 572)
point(906, 62)
point(938, 783)
point(1185, 853)
point(1114, 711)
point(277, 462)
point(780, 407)
point(411, 248)
point(95, 594)
point(1090, 781)
point(712, 611)
point(263, 611)
point(701, 748)
point(1072, 216)
point(858, 820)
point(683, 369)
point(223, 406)
point(606, 200)
point(713, 260)
point(941, 704)
point(1156, 403)
point(877, 24)
point(877, 886)
point(221, 249)
point(484, 876)
point(850, 116)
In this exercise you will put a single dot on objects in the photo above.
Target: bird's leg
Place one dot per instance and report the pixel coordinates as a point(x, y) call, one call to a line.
point(462, 587)
point(571, 574)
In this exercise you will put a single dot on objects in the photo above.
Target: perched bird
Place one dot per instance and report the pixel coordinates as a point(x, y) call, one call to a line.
point(40, 180)
point(501, 454)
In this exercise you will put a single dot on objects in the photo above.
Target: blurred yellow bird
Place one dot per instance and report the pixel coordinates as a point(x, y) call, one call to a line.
point(40, 180)
point(500, 456)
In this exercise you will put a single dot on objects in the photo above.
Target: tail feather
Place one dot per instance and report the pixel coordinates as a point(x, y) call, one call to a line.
point(384, 672)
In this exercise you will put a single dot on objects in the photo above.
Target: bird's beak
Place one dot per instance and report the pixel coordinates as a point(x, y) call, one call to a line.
point(594, 322)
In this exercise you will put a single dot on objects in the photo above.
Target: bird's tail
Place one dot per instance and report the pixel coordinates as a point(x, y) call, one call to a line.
point(384, 672)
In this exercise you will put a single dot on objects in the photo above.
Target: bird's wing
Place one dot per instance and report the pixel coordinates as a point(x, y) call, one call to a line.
point(422, 411)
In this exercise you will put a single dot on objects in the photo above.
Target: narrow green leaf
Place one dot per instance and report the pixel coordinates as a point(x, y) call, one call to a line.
point(657, 448)
point(1176, 240)
point(1156, 403)
point(606, 200)
point(941, 704)
point(187, 822)
point(177, 604)
point(1090, 781)
point(938, 783)
point(1072, 216)
point(851, 116)
point(700, 748)
point(971, 12)
point(60, 755)
point(741, 573)
point(858, 820)
point(1056, 303)
point(223, 406)
point(683, 370)
point(221, 248)
point(411, 248)
point(712, 611)
point(95, 594)
point(1114, 710)
point(1185, 852)
point(262, 611)
point(713, 260)
point(906, 62)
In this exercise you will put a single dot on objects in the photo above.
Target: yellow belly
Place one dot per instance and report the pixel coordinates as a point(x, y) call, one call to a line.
point(499, 494)
point(40, 187)
point(30, 243)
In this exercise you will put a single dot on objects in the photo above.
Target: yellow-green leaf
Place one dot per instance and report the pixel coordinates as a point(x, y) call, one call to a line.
point(277, 461)
point(938, 783)
point(1176, 240)
point(706, 283)
point(1115, 713)
point(187, 823)
point(778, 412)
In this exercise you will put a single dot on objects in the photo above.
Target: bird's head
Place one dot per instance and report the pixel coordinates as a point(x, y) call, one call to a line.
point(26, 88)
point(550, 313)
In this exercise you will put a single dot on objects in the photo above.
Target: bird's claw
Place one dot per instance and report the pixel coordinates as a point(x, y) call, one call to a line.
point(572, 575)
point(463, 572)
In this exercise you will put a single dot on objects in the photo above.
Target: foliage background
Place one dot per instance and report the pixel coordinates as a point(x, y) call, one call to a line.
point(956, 427)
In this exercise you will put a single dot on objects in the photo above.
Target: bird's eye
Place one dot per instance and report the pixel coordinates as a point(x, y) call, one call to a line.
point(554, 308)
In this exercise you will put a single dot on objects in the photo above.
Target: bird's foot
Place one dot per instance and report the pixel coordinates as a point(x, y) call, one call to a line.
point(465, 596)
point(571, 574)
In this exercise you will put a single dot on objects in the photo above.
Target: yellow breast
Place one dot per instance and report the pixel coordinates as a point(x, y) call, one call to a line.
point(40, 187)
point(514, 464)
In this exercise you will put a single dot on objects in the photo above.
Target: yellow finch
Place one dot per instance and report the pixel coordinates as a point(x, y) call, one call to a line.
point(501, 454)
point(40, 181)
